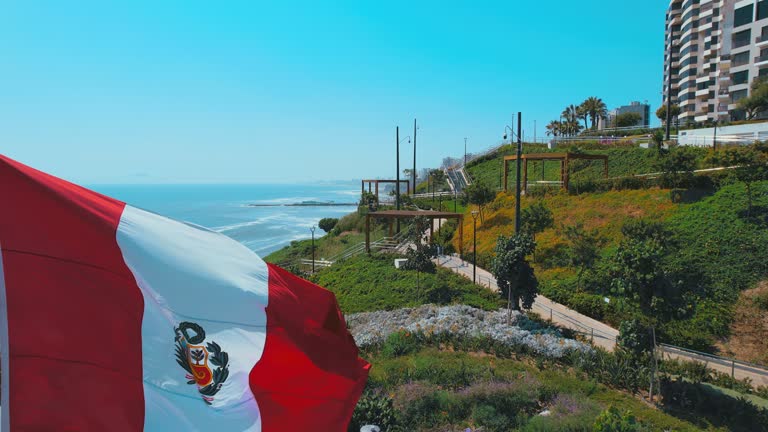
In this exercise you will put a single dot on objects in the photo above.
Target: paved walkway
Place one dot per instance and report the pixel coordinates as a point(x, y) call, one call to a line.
point(601, 334)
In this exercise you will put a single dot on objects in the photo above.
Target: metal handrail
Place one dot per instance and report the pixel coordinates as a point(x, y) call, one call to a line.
point(760, 368)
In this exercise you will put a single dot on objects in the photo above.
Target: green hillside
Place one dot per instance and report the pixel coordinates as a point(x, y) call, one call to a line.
point(715, 251)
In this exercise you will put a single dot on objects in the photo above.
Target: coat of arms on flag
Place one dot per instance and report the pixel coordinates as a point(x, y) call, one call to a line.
point(194, 358)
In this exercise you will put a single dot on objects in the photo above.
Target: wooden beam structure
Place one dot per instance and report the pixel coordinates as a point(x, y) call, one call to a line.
point(375, 183)
point(409, 214)
point(565, 165)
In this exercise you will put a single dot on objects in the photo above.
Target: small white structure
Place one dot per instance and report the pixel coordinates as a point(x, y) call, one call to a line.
point(399, 262)
point(740, 134)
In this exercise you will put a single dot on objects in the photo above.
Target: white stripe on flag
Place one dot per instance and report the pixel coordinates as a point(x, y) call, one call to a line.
point(190, 274)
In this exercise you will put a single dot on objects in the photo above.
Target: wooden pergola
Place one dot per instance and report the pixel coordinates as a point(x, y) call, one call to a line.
point(375, 184)
point(563, 158)
point(408, 214)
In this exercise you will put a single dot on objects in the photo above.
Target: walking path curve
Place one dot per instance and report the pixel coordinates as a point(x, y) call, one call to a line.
point(603, 335)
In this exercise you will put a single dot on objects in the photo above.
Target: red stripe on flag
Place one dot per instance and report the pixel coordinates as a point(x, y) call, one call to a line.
point(74, 310)
point(310, 376)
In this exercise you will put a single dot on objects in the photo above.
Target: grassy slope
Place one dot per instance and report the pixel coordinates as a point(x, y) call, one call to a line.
point(720, 249)
point(364, 283)
point(621, 162)
point(606, 212)
point(445, 370)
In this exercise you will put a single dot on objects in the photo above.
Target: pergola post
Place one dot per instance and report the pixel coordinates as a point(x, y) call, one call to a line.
point(362, 187)
point(567, 177)
point(377, 190)
point(368, 233)
point(525, 176)
point(506, 173)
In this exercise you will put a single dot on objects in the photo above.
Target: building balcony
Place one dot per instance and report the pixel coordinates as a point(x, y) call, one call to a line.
point(723, 94)
point(761, 40)
point(761, 60)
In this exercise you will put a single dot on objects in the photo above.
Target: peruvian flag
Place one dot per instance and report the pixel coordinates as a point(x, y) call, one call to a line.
point(113, 318)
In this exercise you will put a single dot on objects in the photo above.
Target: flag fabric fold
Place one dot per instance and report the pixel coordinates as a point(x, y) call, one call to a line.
point(115, 318)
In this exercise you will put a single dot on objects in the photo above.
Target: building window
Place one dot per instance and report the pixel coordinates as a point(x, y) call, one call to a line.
point(743, 15)
point(742, 38)
point(762, 9)
point(763, 73)
point(740, 77)
point(738, 95)
point(740, 59)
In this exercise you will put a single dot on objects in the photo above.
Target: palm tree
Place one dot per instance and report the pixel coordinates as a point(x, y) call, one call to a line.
point(596, 109)
point(570, 117)
point(583, 112)
point(554, 128)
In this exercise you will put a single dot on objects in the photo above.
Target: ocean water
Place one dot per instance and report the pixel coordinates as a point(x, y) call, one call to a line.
point(229, 208)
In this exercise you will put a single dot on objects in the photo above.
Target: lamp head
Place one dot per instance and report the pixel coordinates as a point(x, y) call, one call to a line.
point(312, 229)
point(505, 136)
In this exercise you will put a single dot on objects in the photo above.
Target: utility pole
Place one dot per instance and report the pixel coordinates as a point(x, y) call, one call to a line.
point(397, 177)
point(413, 174)
point(519, 166)
point(465, 152)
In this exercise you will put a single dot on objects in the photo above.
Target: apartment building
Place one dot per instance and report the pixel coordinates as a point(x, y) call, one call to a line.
point(641, 109)
point(714, 50)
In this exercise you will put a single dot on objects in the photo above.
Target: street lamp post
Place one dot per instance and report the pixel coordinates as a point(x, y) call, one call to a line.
point(519, 168)
point(465, 151)
point(474, 246)
point(397, 176)
point(313, 247)
point(714, 139)
point(413, 174)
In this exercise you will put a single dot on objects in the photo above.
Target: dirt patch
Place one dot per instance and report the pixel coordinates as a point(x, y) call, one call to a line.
point(749, 331)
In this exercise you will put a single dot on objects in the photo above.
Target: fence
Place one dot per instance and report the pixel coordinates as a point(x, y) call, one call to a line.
point(746, 367)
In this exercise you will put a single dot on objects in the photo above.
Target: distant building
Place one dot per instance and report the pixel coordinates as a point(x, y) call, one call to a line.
point(643, 109)
point(717, 48)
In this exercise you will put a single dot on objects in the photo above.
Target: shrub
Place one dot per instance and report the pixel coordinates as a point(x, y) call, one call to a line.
point(635, 338)
point(713, 405)
point(327, 224)
point(400, 343)
point(373, 408)
point(612, 420)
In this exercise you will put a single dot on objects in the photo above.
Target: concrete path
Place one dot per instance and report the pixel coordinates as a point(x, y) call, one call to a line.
point(601, 334)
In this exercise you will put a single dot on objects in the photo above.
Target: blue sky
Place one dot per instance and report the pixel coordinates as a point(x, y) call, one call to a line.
point(255, 91)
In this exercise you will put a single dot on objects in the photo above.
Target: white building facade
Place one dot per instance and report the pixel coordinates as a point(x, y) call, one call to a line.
point(717, 49)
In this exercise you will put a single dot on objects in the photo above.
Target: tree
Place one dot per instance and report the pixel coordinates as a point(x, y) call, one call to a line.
point(421, 254)
point(750, 165)
point(583, 248)
point(583, 112)
point(628, 119)
point(661, 113)
point(327, 224)
point(479, 194)
point(437, 176)
point(635, 338)
point(677, 166)
point(555, 128)
point(595, 109)
point(636, 269)
point(571, 123)
point(514, 275)
point(757, 101)
point(535, 219)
